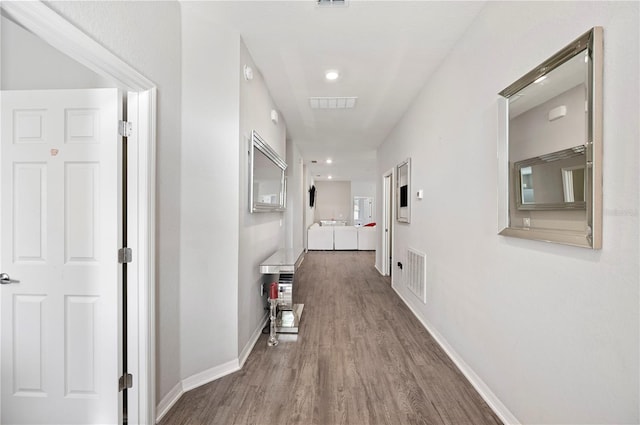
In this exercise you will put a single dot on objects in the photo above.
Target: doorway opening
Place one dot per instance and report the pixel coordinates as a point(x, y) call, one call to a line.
point(140, 93)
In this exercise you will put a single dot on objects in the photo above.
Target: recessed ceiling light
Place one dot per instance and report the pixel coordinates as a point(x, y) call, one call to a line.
point(329, 177)
point(331, 75)
point(540, 79)
point(329, 160)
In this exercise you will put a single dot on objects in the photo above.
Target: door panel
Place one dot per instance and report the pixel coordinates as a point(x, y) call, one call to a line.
point(59, 237)
point(29, 210)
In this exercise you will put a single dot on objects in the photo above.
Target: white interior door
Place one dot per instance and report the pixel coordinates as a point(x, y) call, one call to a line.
point(59, 238)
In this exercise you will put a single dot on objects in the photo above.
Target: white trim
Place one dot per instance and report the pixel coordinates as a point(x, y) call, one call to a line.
point(169, 400)
point(39, 19)
point(45, 23)
point(388, 201)
point(146, 131)
point(204, 377)
point(485, 392)
point(378, 269)
point(248, 348)
point(209, 375)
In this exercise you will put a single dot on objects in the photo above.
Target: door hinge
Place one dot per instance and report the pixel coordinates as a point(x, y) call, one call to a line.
point(125, 128)
point(125, 382)
point(125, 255)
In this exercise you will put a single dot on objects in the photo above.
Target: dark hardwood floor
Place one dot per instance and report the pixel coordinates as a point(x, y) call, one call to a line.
point(361, 357)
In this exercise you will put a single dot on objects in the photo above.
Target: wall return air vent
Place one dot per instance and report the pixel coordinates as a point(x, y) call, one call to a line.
point(332, 102)
point(416, 278)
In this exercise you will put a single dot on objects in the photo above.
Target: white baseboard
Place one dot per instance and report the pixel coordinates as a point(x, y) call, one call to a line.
point(194, 381)
point(204, 377)
point(244, 354)
point(209, 375)
point(378, 268)
point(168, 401)
point(485, 392)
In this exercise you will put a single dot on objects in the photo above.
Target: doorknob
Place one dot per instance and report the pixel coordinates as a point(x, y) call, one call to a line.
point(4, 279)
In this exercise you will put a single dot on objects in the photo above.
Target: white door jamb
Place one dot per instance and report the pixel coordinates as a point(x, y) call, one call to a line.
point(388, 209)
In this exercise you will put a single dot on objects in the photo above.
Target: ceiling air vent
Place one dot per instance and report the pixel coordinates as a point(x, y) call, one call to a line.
point(331, 3)
point(332, 102)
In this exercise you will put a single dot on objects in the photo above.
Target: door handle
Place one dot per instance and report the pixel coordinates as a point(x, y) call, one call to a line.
point(5, 279)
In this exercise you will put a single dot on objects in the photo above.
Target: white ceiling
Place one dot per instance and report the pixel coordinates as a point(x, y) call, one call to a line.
point(384, 51)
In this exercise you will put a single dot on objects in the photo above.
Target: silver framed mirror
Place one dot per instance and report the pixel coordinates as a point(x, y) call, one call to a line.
point(403, 189)
point(550, 148)
point(267, 181)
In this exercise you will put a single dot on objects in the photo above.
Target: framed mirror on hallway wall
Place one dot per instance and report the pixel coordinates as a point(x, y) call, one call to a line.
point(403, 173)
point(550, 148)
point(267, 182)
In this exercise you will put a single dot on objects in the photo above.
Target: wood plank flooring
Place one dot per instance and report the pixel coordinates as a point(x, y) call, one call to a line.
point(361, 357)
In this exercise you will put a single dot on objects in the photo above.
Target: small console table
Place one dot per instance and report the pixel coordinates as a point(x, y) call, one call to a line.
point(285, 263)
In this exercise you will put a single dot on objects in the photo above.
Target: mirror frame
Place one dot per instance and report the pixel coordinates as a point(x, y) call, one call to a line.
point(403, 215)
point(258, 143)
point(592, 41)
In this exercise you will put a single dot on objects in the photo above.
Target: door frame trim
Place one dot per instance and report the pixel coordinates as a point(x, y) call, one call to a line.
point(42, 21)
point(388, 201)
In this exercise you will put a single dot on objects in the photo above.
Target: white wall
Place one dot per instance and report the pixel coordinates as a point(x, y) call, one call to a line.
point(333, 201)
point(364, 188)
point(296, 198)
point(146, 35)
point(261, 234)
point(210, 194)
point(27, 61)
point(551, 330)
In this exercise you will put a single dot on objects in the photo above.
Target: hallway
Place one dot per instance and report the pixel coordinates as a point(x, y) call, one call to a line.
point(361, 358)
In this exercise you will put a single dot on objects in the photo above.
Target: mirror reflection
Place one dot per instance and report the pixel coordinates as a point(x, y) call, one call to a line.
point(553, 181)
point(267, 180)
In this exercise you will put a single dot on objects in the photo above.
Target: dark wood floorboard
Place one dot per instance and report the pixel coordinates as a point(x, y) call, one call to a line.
point(361, 357)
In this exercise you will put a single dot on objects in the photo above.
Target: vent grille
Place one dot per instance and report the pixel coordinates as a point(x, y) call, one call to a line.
point(330, 3)
point(332, 102)
point(417, 274)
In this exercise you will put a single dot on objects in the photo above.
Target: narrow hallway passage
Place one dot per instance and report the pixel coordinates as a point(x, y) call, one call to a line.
point(361, 358)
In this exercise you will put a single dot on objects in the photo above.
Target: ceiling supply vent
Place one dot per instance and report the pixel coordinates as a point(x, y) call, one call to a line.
point(332, 3)
point(332, 102)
